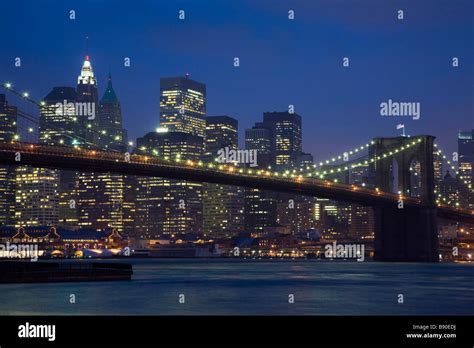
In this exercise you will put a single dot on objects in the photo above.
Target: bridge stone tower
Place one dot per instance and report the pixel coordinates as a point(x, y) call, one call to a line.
point(409, 233)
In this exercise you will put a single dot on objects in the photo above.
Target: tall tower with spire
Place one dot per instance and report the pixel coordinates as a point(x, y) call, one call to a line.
point(112, 135)
point(87, 93)
point(101, 195)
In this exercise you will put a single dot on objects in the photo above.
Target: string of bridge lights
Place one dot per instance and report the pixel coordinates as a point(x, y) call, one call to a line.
point(288, 173)
point(341, 156)
point(369, 161)
point(452, 167)
point(439, 198)
point(291, 174)
point(74, 139)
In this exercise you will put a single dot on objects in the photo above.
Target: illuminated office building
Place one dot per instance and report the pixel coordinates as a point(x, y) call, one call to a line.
point(453, 192)
point(59, 125)
point(100, 195)
point(87, 99)
point(260, 205)
point(362, 222)
point(259, 138)
point(223, 206)
point(438, 168)
point(8, 131)
point(100, 200)
point(111, 134)
point(361, 218)
point(304, 161)
point(297, 213)
point(466, 163)
point(164, 206)
point(183, 105)
point(8, 120)
point(36, 197)
point(286, 138)
point(35, 190)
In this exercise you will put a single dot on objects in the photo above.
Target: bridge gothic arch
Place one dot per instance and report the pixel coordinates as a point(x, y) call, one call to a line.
point(406, 233)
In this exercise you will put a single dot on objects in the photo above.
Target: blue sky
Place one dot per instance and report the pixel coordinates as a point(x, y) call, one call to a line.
point(282, 62)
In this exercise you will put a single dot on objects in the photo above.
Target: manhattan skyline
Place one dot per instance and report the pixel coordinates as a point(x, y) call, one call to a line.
point(272, 62)
point(303, 159)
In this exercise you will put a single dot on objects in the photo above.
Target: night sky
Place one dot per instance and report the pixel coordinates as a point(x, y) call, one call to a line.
point(282, 61)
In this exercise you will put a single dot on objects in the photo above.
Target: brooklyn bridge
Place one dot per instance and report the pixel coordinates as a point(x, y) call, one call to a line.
point(405, 225)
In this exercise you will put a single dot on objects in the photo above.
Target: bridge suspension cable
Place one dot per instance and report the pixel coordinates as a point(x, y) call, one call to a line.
point(342, 156)
point(452, 167)
point(321, 174)
point(25, 95)
point(366, 162)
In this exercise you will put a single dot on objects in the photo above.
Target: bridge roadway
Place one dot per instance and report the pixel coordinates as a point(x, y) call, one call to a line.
point(87, 160)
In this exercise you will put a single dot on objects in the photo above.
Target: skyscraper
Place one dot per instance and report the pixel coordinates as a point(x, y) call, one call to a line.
point(36, 197)
point(8, 130)
point(438, 168)
point(286, 138)
point(173, 206)
point(35, 189)
point(164, 206)
point(87, 98)
point(111, 135)
point(259, 138)
point(362, 218)
point(453, 192)
point(278, 143)
point(297, 213)
point(260, 205)
point(223, 206)
point(466, 163)
point(59, 125)
point(8, 120)
point(101, 195)
point(183, 105)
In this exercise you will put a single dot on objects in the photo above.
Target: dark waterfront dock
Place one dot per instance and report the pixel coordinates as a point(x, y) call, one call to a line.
point(62, 271)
